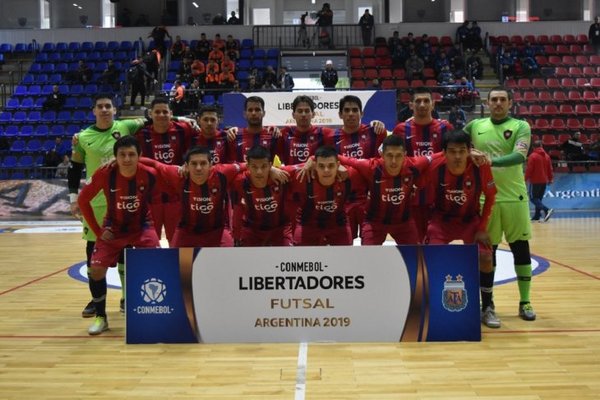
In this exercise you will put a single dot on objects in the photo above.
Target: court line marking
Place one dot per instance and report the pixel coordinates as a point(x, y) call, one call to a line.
point(589, 275)
point(301, 371)
point(34, 281)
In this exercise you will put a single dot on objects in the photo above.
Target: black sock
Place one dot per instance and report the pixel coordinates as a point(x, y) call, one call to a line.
point(486, 283)
point(89, 249)
point(99, 296)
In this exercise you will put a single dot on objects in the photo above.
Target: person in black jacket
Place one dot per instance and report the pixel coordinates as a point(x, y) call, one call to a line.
point(366, 23)
point(329, 76)
point(594, 34)
point(137, 74)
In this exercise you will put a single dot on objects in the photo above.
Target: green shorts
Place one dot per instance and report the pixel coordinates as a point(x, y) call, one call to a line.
point(510, 219)
point(99, 213)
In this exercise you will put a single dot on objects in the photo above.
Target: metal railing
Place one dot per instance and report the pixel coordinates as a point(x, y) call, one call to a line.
point(293, 37)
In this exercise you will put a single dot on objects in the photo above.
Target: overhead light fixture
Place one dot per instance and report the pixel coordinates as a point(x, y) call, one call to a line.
point(195, 4)
point(75, 5)
point(313, 1)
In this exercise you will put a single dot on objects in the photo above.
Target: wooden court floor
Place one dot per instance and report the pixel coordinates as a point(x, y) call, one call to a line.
point(45, 352)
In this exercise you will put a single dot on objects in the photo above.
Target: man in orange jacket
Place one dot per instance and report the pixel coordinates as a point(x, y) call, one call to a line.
point(539, 174)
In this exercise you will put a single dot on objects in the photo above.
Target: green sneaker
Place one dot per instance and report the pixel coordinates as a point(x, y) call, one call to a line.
point(526, 312)
point(100, 325)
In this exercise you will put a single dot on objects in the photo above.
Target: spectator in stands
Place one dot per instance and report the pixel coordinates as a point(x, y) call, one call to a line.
point(177, 101)
point(110, 75)
point(198, 72)
point(177, 48)
point(83, 73)
point(218, 42)
point(229, 62)
point(137, 75)
point(474, 37)
point(189, 53)
point(414, 67)
point(302, 34)
point(226, 78)
point(212, 74)
point(424, 51)
point(233, 20)
point(457, 117)
point(63, 167)
point(257, 76)
point(329, 76)
point(216, 54)
point(325, 23)
point(193, 95)
point(462, 34)
point(394, 42)
point(574, 151)
point(474, 66)
point(366, 22)
point(594, 35)
point(152, 64)
point(253, 85)
point(52, 158)
point(374, 84)
point(219, 19)
point(285, 80)
point(441, 61)
point(539, 174)
point(269, 82)
point(185, 72)
point(397, 50)
point(232, 48)
point(445, 77)
point(55, 100)
point(270, 75)
point(202, 48)
point(594, 152)
point(529, 66)
point(466, 92)
point(158, 35)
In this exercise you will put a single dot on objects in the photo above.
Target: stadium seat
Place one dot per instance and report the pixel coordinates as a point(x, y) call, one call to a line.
point(551, 110)
point(573, 124)
point(544, 96)
point(582, 110)
point(26, 131)
point(567, 83)
point(559, 96)
point(57, 130)
point(535, 110)
point(541, 124)
point(25, 161)
point(9, 161)
point(589, 124)
point(549, 140)
point(11, 131)
point(41, 130)
point(17, 146)
point(12, 104)
point(574, 96)
point(581, 83)
point(34, 146)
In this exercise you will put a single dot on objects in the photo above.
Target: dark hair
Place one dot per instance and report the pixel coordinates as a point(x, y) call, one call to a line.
point(207, 109)
point(421, 90)
point(254, 99)
point(325, 152)
point(457, 136)
point(303, 99)
point(99, 96)
point(258, 153)
point(394, 141)
point(349, 99)
point(159, 100)
point(197, 150)
point(126, 141)
point(501, 89)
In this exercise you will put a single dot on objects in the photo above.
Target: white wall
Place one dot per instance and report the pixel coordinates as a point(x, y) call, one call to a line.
point(63, 14)
point(11, 10)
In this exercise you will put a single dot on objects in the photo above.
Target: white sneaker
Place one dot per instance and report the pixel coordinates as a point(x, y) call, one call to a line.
point(489, 318)
point(100, 325)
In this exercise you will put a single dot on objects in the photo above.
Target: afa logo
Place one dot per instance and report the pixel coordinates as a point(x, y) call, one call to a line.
point(454, 294)
point(153, 291)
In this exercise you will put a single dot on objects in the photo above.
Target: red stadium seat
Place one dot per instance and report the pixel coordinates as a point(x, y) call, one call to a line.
point(428, 73)
point(559, 96)
point(562, 49)
point(511, 84)
point(530, 97)
point(399, 73)
point(355, 52)
point(588, 71)
point(574, 96)
point(568, 61)
point(369, 63)
point(523, 111)
point(544, 96)
point(582, 39)
point(446, 41)
point(581, 60)
point(557, 124)
point(576, 49)
point(530, 39)
point(541, 60)
point(516, 39)
point(431, 83)
point(415, 83)
point(595, 83)
point(582, 83)
point(563, 137)
point(551, 110)
point(567, 83)
point(524, 83)
point(556, 39)
point(569, 39)
point(549, 140)
point(589, 96)
point(358, 84)
point(573, 124)
point(566, 109)
point(387, 84)
point(538, 83)
point(541, 124)
point(582, 110)
point(402, 84)
point(542, 39)
point(356, 63)
point(371, 73)
point(595, 60)
point(555, 61)
point(561, 72)
point(368, 52)
point(588, 49)
point(550, 50)
point(575, 72)
point(589, 124)
point(535, 110)
point(584, 139)
point(357, 74)
point(385, 73)
point(595, 109)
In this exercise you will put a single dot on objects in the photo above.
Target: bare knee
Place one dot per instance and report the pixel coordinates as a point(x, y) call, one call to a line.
point(485, 263)
point(98, 273)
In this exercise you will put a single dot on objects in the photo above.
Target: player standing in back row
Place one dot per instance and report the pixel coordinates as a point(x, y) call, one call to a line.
point(507, 141)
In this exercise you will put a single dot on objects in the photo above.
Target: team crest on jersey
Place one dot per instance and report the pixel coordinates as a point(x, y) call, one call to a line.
point(454, 294)
point(312, 137)
point(406, 179)
point(117, 135)
point(507, 134)
point(142, 188)
point(468, 184)
point(173, 137)
point(265, 142)
point(435, 135)
point(215, 190)
point(276, 188)
point(339, 194)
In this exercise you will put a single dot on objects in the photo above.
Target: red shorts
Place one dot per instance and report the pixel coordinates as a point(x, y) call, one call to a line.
point(281, 236)
point(167, 215)
point(374, 234)
point(106, 253)
point(443, 232)
point(216, 238)
point(421, 215)
point(309, 236)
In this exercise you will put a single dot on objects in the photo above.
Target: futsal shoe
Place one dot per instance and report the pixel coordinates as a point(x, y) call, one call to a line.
point(89, 311)
point(489, 318)
point(100, 325)
point(548, 214)
point(526, 312)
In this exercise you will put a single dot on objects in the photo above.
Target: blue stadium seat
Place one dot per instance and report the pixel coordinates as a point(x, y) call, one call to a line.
point(35, 68)
point(100, 66)
point(34, 90)
point(273, 53)
point(112, 46)
point(100, 46)
point(46, 90)
point(79, 116)
point(87, 46)
point(246, 54)
point(28, 79)
point(54, 57)
point(273, 63)
point(41, 79)
point(41, 130)
point(48, 116)
point(19, 117)
point(74, 46)
point(61, 68)
point(21, 48)
point(11, 131)
point(171, 76)
point(27, 104)
point(259, 53)
point(80, 56)
point(94, 56)
point(258, 63)
point(57, 130)
point(174, 66)
point(39, 161)
point(63, 117)
point(90, 89)
point(76, 90)
point(121, 56)
point(72, 129)
point(209, 99)
point(85, 102)
point(9, 162)
point(126, 45)
point(247, 44)
point(39, 103)
point(71, 103)
point(25, 161)
point(47, 68)
point(34, 146)
point(34, 117)
point(26, 131)
point(6, 48)
point(17, 175)
point(12, 104)
point(68, 57)
point(244, 65)
point(62, 47)
point(18, 146)
point(41, 58)
point(5, 117)
point(20, 90)
point(48, 47)
point(55, 79)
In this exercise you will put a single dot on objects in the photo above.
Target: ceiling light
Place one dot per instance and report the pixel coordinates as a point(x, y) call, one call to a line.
point(195, 4)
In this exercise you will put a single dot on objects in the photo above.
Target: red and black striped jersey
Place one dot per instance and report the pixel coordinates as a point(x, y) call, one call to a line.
point(361, 144)
point(217, 145)
point(245, 140)
point(422, 140)
point(127, 199)
point(296, 147)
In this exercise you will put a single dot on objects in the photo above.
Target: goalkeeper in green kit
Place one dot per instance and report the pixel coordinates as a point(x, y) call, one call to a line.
point(506, 140)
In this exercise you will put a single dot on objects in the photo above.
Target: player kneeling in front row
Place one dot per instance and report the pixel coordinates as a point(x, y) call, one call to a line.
point(128, 187)
point(455, 187)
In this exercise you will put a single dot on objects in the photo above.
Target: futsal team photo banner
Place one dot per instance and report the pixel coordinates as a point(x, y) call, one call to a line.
point(377, 105)
point(303, 294)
